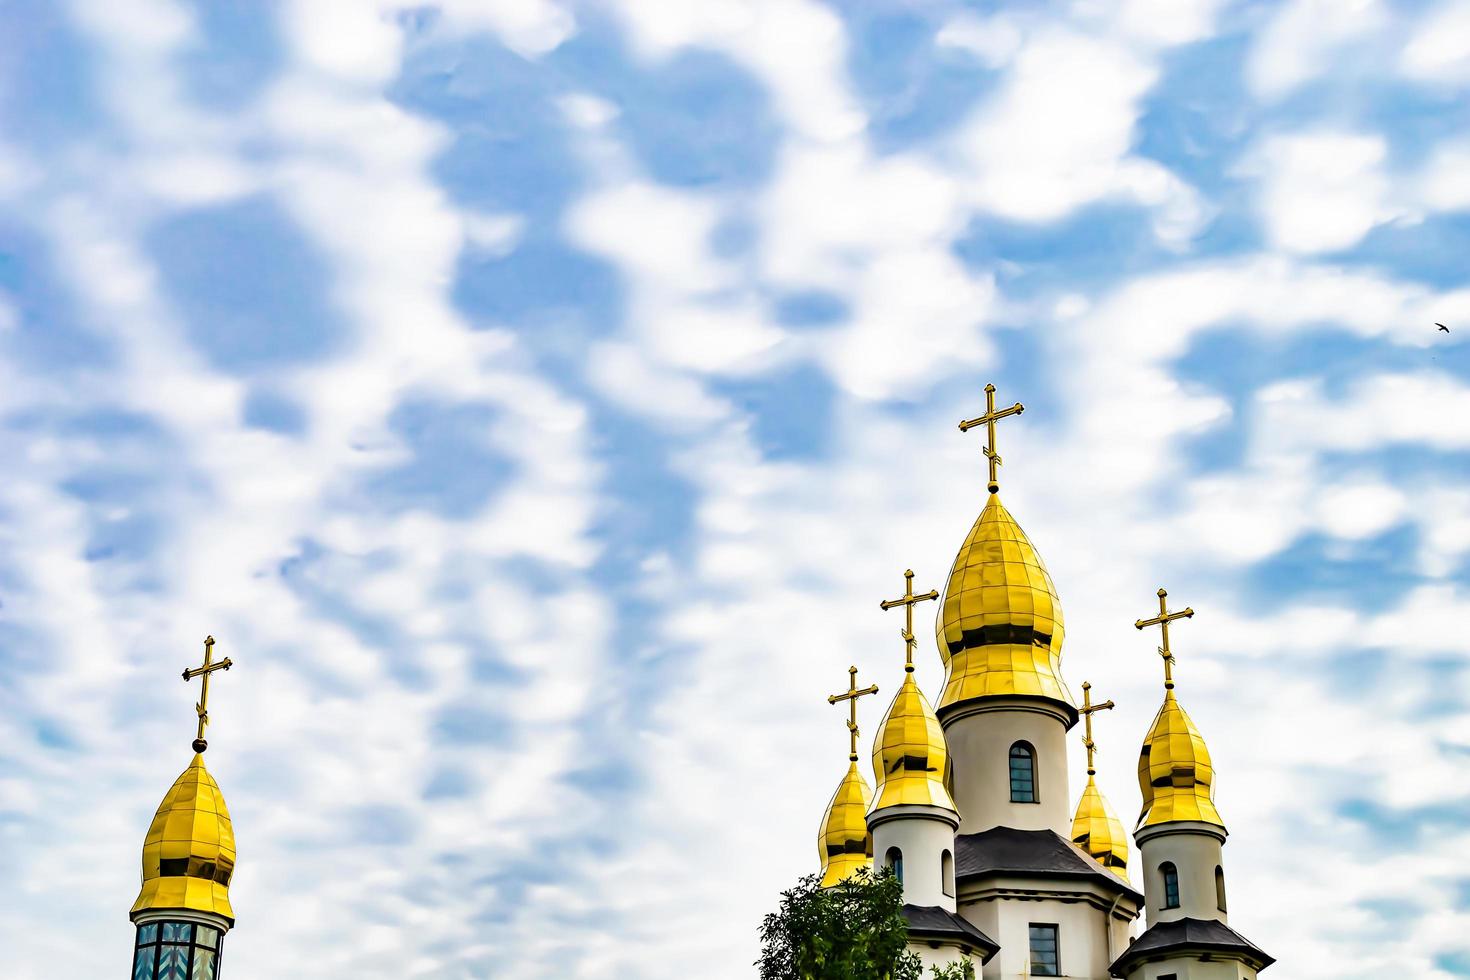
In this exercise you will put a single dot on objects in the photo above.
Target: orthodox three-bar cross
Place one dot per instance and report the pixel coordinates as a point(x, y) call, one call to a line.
point(852, 696)
point(988, 420)
point(202, 708)
point(1088, 709)
point(1162, 620)
point(907, 600)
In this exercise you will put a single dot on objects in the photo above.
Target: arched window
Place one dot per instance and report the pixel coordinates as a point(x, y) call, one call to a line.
point(946, 873)
point(1220, 888)
point(894, 860)
point(1023, 773)
point(1170, 875)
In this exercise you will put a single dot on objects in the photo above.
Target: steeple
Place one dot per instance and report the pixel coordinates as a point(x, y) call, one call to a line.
point(1175, 773)
point(183, 908)
point(1000, 626)
point(1096, 828)
point(844, 842)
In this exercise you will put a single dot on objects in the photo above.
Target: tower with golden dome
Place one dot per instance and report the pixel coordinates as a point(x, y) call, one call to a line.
point(972, 803)
point(183, 910)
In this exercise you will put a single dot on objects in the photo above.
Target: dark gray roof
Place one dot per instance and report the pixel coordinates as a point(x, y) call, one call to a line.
point(933, 922)
point(1030, 853)
point(1190, 935)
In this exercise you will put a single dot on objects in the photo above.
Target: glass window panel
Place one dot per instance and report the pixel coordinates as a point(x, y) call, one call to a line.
point(148, 934)
point(1044, 960)
point(1023, 775)
point(173, 963)
point(206, 936)
point(1171, 885)
point(178, 932)
point(143, 962)
point(203, 965)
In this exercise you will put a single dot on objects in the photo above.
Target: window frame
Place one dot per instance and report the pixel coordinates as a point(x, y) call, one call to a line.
point(1170, 875)
point(893, 858)
point(1056, 950)
point(1028, 752)
point(153, 937)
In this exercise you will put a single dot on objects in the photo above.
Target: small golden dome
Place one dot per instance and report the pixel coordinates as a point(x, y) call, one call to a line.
point(910, 755)
point(844, 842)
point(189, 853)
point(1098, 831)
point(1000, 626)
point(1174, 770)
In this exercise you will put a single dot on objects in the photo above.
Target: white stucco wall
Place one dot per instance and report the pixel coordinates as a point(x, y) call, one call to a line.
point(942, 956)
point(923, 834)
point(1195, 851)
point(1193, 969)
point(980, 737)
point(1082, 935)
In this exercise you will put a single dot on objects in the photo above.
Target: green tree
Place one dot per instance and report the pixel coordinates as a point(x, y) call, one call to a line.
point(853, 931)
point(958, 970)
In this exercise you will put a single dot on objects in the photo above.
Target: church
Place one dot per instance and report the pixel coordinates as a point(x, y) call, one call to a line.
point(971, 807)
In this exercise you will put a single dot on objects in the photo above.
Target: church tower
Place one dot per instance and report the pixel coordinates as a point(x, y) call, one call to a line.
point(844, 842)
point(913, 818)
point(1055, 909)
point(1180, 838)
point(183, 909)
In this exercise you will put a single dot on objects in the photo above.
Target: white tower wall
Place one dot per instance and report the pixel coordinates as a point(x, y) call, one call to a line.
point(1195, 850)
point(924, 835)
point(980, 735)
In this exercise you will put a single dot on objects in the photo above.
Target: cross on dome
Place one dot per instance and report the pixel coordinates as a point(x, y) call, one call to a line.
point(908, 600)
point(202, 707)
point(1087, 710)
point(852, 696)
point(1162, 620)
point(988, 420)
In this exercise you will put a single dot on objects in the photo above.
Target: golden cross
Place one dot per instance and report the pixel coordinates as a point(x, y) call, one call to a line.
point(852, 695)
point(907, 600)
point(1162, 620)
point(988, 420)
point(1088, 708)
point(202, 708)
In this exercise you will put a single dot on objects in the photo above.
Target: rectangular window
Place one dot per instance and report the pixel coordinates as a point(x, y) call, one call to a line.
point(1044, 957)
point(1169, 976)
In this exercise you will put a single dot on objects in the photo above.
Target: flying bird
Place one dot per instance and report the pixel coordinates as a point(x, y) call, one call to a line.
point(1443, 327)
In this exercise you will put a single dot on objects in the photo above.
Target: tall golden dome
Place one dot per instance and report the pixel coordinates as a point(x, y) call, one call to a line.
point(1098, 831)
point(1174, 770)
point(910, 755)
point(189, 853)
point(1000, 625)
point(844, 842)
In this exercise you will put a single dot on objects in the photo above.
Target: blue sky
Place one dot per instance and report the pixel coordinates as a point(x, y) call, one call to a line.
point(536, 398)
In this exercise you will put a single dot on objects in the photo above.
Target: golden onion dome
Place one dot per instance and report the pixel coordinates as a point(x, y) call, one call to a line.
point(1174, 770)
point(1099, 832)
point(910, 755)
point(189, 853)
point(844, 842)
point(1000, 624)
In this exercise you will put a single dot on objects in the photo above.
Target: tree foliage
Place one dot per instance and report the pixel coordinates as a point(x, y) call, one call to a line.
point(853, 931)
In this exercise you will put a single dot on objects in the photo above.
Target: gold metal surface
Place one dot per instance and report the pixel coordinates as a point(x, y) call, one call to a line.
point(1162, 621)
point(189, 853)
point(852, 696)
point(1096, 828)
point(988, 420)
point(908, 600)
point(1000, 625)
point(1175, 773)
point(844, 843)
point(910, 754)
point(202, 707)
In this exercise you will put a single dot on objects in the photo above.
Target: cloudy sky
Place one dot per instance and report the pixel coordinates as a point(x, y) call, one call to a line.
point(536, 398)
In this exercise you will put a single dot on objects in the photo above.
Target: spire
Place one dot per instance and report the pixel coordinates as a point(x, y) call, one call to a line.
point(1175, 773)
point(844, 843)
point(1096, 828)
point(189, 852)
point(910, 755)
point(1000, 627)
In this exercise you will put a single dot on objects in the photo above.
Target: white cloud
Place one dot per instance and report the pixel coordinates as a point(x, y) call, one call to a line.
point(1445, 182)
point(1305, 39)
point(529, 27)
point(1322, 191)
point(1438, 53)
